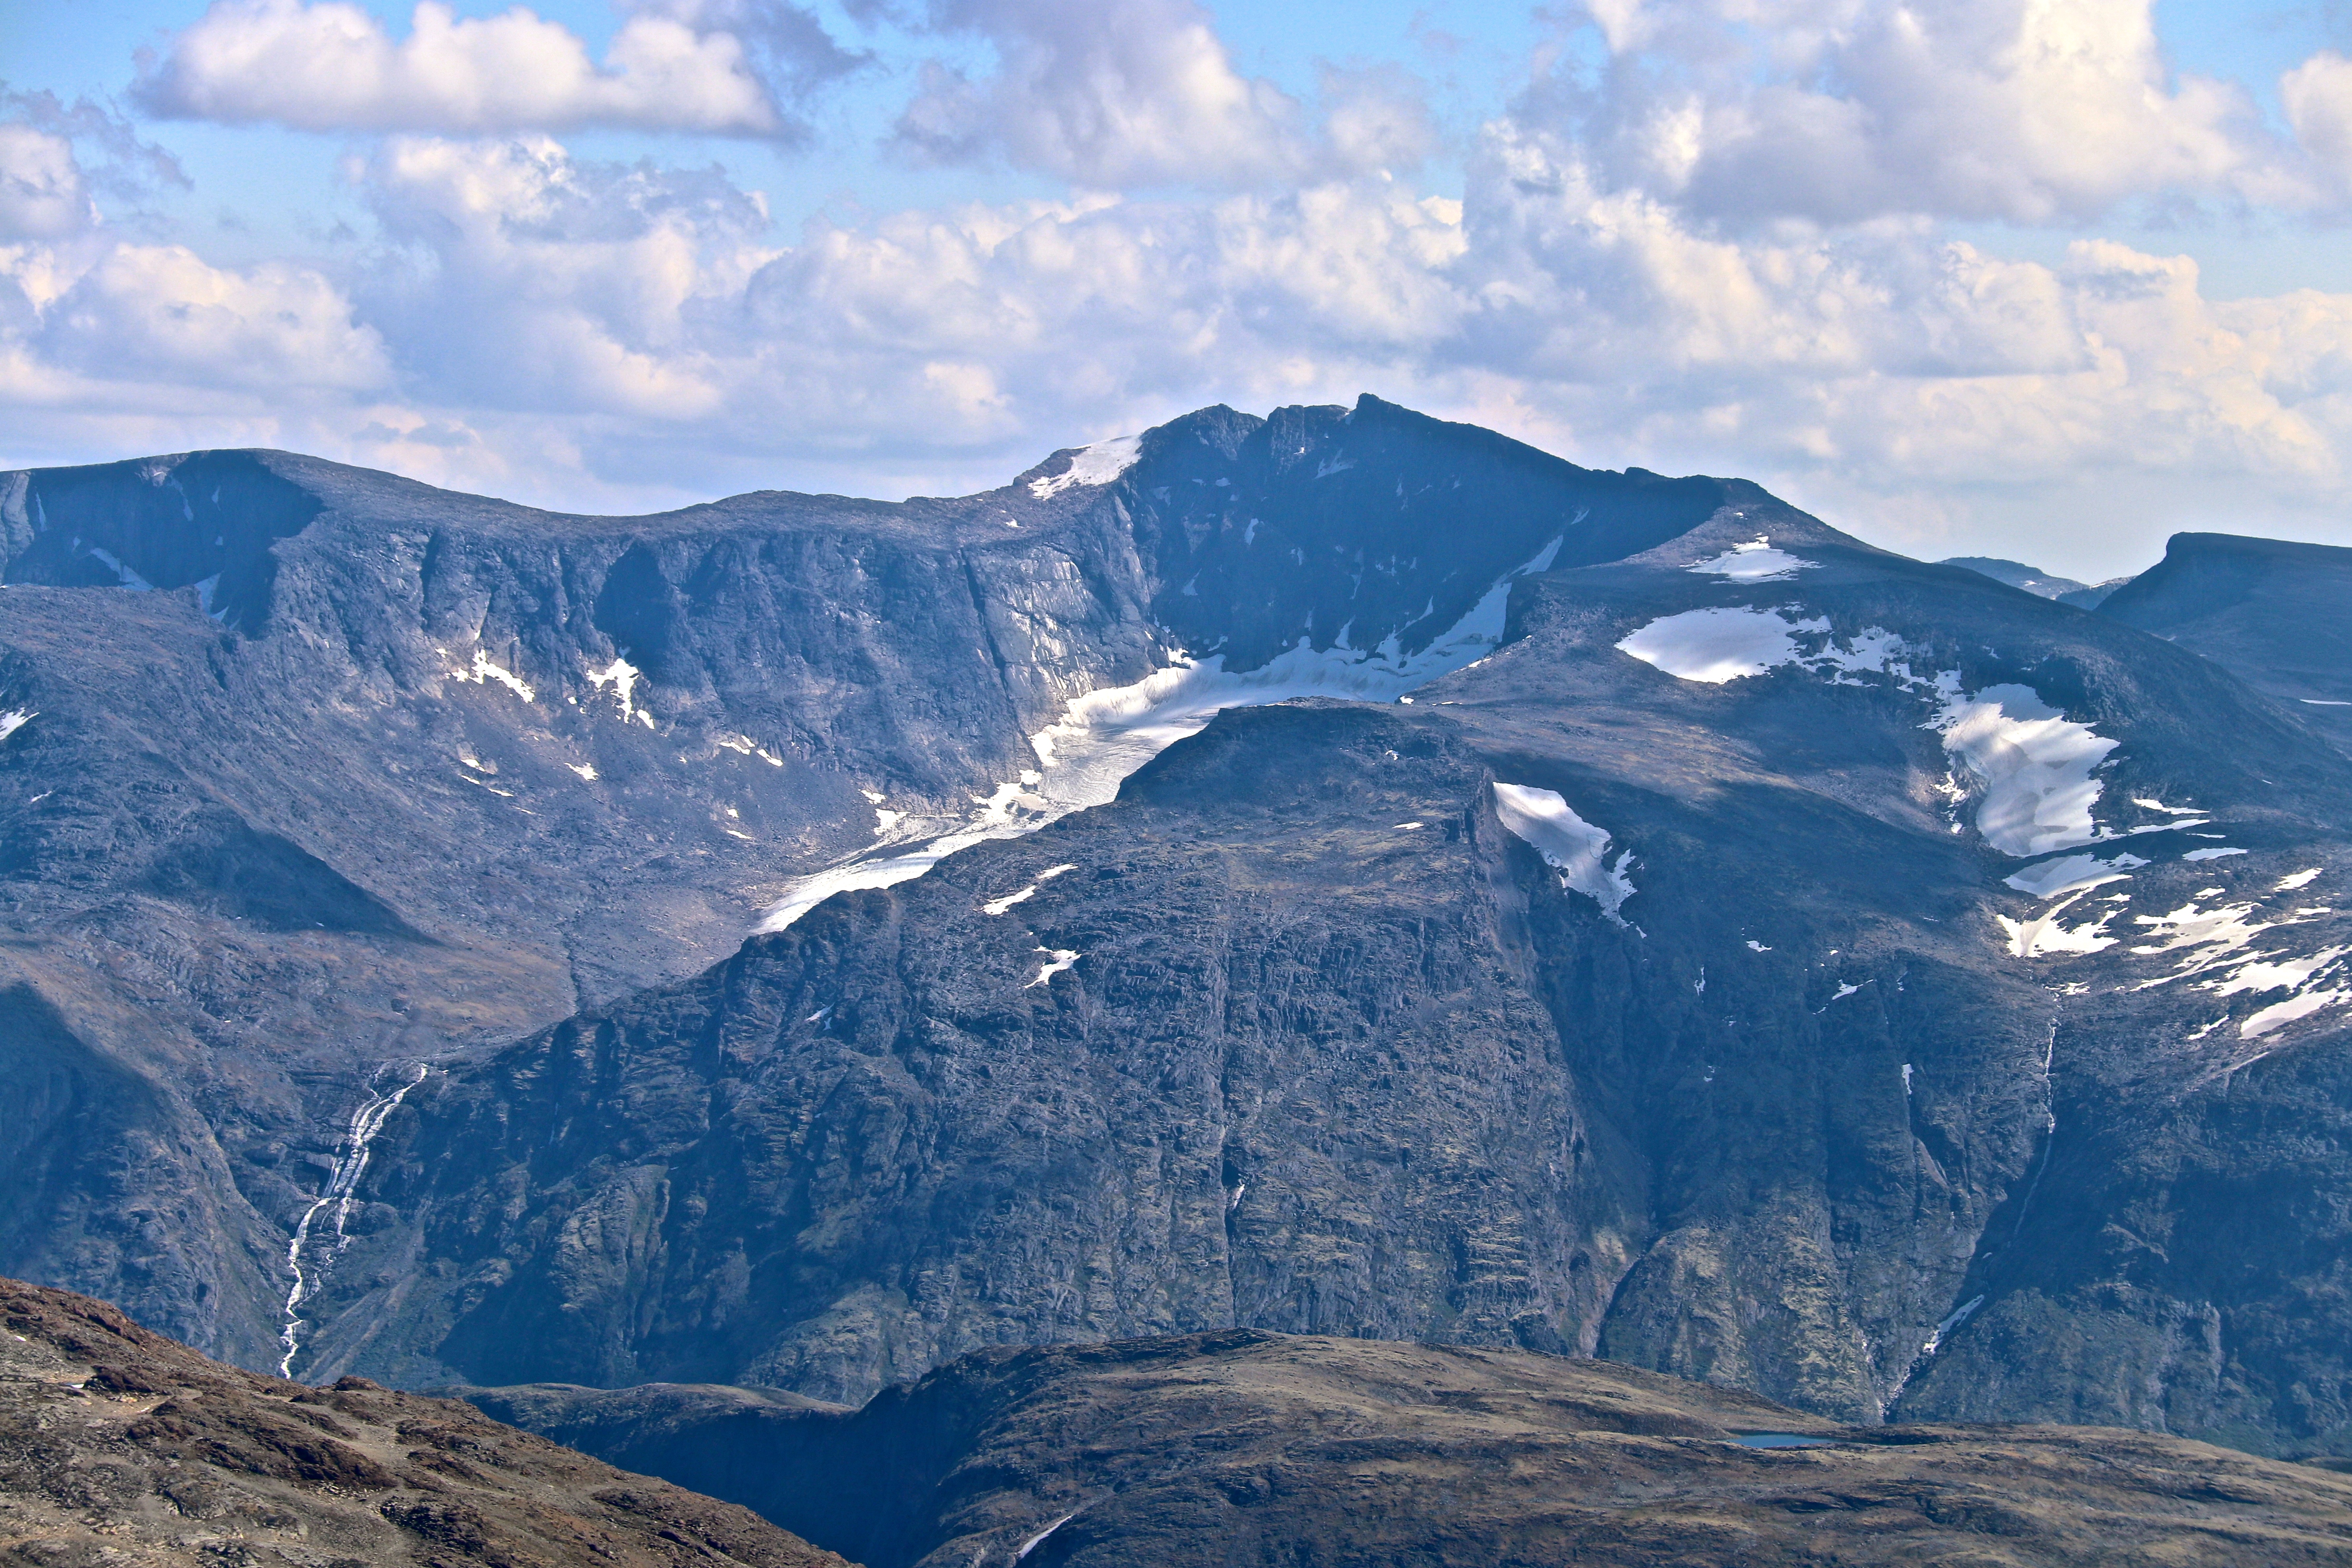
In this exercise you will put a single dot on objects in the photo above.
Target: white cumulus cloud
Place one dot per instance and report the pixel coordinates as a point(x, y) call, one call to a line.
point(42, 193)
point(1143, 93)
point(331, 66)
point(1841, 110)
point(160, 312)
point(1703, 253)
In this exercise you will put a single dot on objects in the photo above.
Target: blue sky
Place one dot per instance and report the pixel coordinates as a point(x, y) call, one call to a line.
point(2049, 278)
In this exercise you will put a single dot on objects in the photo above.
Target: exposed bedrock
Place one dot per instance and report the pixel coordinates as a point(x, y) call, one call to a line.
point(1878, 988)
point(308, 773)
point(1335, 1054)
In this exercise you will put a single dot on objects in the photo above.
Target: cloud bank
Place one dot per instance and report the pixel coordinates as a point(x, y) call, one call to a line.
point(1696, 240)
point(329, 66)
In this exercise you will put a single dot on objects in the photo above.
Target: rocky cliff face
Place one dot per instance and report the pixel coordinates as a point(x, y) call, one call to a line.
point(1657, 925)
point(1704, 979)
point(309, 775)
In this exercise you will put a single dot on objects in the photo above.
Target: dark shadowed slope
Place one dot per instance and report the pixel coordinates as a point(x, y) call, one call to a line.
point(119, 1446)
point(1246, 1448)
point(2276, 614)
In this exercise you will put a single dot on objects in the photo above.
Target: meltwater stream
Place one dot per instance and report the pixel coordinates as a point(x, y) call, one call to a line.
point(351, 1164)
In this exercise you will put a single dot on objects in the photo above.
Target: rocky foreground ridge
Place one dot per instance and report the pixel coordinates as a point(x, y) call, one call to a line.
point(1244, 1448)
point(119, 1447)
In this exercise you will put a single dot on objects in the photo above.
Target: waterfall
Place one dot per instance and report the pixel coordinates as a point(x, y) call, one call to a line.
point(350, 1163)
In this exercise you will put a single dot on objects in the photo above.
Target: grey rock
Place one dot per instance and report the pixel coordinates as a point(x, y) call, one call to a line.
point(1315, 1071)
point(327, 772)
point(2276, 614)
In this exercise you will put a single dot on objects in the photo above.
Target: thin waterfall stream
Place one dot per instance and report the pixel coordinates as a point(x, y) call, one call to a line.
point(350, 1163)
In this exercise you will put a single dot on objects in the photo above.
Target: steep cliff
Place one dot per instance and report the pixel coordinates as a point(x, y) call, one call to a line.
point(310, 776)
point(1704, 978)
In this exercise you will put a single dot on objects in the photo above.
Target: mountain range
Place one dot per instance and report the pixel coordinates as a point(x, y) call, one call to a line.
point(1340, 874)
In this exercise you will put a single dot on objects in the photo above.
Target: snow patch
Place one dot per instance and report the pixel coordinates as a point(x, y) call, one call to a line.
point(2045, 934)
point(998, 906)
point(484, 671)
point(622, 676)
point(1716, 646)
point(1096, 465)
point(1754, 562)
point(1031, 1544)
point(2053, 877)
point(2282, 1013)
point(2207, 937)
point(15, 719)
point(1569, 845)
point(742, 744)
point(807, 893)
point(2033, 761)
point(2210, 854)
point(1057, 960)
point(1949, 1324)
point(1754, 946)
point(1106, 734)
point(2266, 974)
point(2285, 884)
point(584, 770)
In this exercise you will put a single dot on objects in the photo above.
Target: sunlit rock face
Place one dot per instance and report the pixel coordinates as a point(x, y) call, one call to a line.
point(1338, 873)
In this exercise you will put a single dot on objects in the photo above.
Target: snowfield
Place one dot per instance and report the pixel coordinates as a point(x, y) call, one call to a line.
point(2046, 933)
point(2032, 765)
point(1755, 562)
point(2070, 872)
point(1569, 845)
point(1716, 646)
point(1096, 465)
point(1104, 735)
